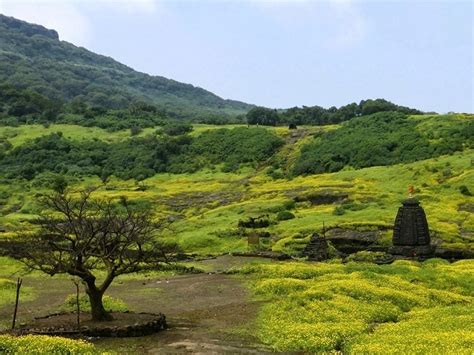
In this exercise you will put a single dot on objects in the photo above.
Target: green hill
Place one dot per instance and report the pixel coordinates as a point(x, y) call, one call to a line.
point(209, 179)
point(32, 57)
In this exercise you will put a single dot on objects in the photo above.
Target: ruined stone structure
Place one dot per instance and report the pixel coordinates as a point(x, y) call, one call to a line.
point(317, 249)
point(411, 236)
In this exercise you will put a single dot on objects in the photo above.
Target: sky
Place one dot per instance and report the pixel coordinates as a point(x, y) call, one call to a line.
point(279, 53)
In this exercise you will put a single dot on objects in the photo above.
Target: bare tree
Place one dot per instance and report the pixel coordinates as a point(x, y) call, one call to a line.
point(82, 235)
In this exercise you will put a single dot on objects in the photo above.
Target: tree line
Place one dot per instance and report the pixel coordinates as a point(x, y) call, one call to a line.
point(383, 138)
point(24, 106)
point(138, 157)
point(318, 116)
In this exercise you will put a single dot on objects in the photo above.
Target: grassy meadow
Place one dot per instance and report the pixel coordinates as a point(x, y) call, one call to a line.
point(206, 206)
point(354, 308)
point(314, 307)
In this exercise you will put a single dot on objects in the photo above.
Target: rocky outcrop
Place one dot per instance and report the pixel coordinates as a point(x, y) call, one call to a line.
point(26, 28)
point(322, 197)
point(453, 254)
point(350, 241)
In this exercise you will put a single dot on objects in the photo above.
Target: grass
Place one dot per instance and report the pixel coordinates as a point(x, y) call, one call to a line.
point(111, 304)
point(41, 344)
point(206, 206)
point(365, 308)
point(19, 135)
point(355, 307)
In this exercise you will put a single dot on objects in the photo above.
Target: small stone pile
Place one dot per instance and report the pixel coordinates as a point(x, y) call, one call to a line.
point(317, 249)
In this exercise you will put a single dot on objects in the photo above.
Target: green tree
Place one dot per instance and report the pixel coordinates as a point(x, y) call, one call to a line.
point(262, 116)
point(79, 236)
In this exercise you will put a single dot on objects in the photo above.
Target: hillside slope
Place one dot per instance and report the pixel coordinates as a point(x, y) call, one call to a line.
point(205, 182)
point(33, 57)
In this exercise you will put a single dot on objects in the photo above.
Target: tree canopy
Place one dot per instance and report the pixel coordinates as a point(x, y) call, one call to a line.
point(79, 235)
point(382, 138)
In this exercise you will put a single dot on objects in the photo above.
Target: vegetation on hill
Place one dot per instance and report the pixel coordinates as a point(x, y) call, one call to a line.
point(69, 117)
point(45, 80)
point(207, 204)
point(384, 138)
point(33, 58)
point(138, 157)
point(318, 116)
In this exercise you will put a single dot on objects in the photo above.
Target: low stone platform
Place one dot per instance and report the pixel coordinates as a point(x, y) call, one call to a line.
point(126, 324)
point(421, 251)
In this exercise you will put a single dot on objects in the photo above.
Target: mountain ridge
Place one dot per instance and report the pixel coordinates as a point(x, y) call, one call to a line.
point(33, 57)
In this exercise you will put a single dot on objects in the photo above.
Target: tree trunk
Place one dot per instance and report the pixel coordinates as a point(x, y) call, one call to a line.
point(98, 311)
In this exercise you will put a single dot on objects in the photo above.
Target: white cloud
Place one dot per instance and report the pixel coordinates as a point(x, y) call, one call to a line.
point(350, 25)
point(145, 6)
point(333, 23)
point(68, 17)
point(63, 17)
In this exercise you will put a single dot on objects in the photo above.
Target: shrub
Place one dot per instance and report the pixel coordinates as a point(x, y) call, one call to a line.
point(339, 211)
point(254, 222)
point(289, 205)
point(370, 256)
point(375, 140)
point(42, 344)
point(177, 128)
point(285, 215)
point(135, 130)
point(464, 190)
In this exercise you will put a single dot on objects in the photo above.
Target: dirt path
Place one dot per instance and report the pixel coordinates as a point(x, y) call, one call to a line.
point(209, 313)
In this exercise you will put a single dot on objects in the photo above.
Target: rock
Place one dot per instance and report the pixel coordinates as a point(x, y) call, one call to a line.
point(350, 241)
point(317, 248)
point(453, 254)
point(323, 197)
point(419, 251)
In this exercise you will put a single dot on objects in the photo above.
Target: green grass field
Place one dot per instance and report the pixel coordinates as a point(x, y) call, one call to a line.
point(323, 307)
point(207, 205)
point(355, 308)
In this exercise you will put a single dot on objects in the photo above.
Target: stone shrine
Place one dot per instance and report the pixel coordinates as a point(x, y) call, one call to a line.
point(411, 235)
point(317, 249)
point(411, 226)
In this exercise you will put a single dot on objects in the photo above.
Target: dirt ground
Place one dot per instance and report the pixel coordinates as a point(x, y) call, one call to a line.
point(209, 313)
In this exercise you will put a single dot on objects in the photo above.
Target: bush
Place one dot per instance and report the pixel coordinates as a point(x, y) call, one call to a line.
point(339, 211)
point(464, 190)
point(254, 222)
point(139, 157)
point(289, 205)
point(177, 128)
point(42, 344)
point(370, 257)
point(285, 215)
point(375, 140)
point(135, 130)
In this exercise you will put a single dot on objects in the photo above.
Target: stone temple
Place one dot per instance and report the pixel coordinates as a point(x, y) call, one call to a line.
point(411, 226)
point(411, 235)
